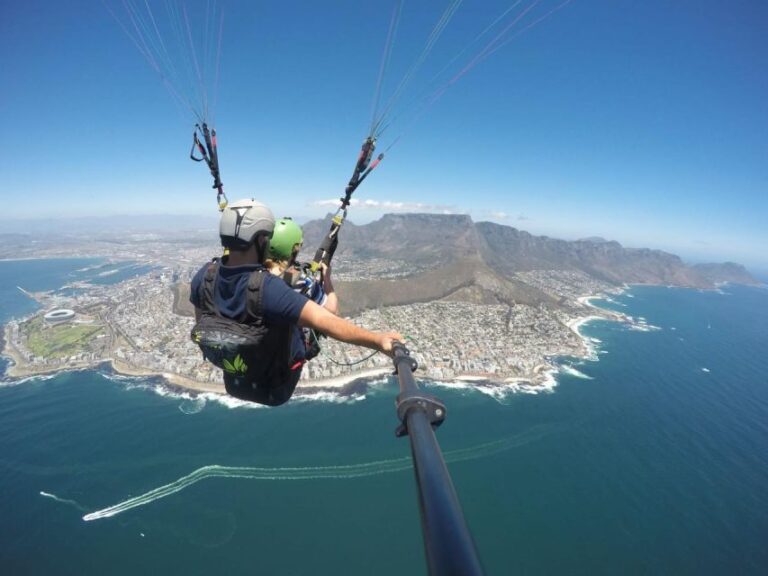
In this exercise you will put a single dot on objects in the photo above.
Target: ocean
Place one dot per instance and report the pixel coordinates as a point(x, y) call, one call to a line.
point(653, 458)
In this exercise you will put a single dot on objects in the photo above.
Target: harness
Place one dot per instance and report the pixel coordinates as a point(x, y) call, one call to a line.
point(299, 278)
point(254, 355)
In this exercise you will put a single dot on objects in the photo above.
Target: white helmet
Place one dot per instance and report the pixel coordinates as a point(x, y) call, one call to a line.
point(242, 221)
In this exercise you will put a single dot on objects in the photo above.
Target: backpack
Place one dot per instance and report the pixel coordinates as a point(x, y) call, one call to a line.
point(254, 355)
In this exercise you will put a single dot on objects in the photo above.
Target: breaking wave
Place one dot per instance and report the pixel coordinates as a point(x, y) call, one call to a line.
point(574, 372)
point(326, 396)
point(192, 405)
point(8, 382)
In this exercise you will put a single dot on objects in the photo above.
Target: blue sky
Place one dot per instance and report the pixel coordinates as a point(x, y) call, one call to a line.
point(644, 122)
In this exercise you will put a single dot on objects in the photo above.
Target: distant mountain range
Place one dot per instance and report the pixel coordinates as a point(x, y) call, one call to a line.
point(90, 225)
point(446, 257)
point(457, 258)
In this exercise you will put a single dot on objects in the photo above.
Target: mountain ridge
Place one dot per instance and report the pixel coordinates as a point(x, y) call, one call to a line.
point(453, 255)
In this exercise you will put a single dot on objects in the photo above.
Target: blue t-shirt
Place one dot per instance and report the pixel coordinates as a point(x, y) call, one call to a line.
point(280, 304)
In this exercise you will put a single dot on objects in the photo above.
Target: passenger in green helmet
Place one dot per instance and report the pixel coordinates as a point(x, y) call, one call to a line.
point(286, 241)
point(284, 247)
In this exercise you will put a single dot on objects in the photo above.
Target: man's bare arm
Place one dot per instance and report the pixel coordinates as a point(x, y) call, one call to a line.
point(314, 316)
point(332, 303)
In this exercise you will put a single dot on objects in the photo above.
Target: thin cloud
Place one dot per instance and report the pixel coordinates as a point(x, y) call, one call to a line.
point(391, 206)
point(499, 215)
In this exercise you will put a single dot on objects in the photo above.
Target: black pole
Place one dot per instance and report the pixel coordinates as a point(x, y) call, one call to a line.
point(447, 541)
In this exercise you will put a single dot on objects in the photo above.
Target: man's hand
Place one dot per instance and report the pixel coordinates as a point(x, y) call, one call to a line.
point(387, 341)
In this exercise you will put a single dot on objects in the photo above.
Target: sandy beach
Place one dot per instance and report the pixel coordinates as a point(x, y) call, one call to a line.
point(587, 301)
point(218, 388)
point(341, 381)
point(577, 323)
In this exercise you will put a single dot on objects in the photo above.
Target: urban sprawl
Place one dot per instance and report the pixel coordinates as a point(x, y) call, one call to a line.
point(135, 324)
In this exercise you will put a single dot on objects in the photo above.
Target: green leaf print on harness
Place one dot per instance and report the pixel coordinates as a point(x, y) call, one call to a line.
point(238, 366)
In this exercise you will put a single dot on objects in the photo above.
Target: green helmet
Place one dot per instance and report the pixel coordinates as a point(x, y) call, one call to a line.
point(286, 239)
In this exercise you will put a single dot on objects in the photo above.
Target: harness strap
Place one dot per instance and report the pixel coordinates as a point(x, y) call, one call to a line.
point(254, 301)
point(254, 309)
point(209, 287)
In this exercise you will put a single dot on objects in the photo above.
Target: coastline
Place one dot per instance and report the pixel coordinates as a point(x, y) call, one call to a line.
point(176, 380)
point(29, 259)
point(577, 323)
point(344, 380)
point(541, 378)
point(17, 370)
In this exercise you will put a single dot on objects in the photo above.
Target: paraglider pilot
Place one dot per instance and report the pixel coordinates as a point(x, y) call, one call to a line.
point(249, 321)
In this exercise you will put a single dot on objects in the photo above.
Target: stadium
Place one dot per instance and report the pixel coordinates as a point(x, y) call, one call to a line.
point(59, 316)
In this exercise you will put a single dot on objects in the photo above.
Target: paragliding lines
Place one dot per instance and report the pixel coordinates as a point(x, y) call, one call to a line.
point(385, 58)
point(527, 27)
point(218, 69)
point(167, 43)
point(162, 42)
point(512, 24)
point(431, 41)
point(479, 57)
point(193, 53)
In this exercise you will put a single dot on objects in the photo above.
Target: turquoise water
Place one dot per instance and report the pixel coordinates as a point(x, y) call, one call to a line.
point(653, 466)
point(42, 275)
point(115, 272)
point(34, 276)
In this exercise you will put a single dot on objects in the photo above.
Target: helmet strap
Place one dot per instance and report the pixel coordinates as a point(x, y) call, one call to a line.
point(261, 241)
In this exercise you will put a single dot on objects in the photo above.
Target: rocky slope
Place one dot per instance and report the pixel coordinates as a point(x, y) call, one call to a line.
point(456, 258)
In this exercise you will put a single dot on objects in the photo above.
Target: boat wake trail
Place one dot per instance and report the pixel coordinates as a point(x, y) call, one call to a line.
point(250, 473)
point(344, 472)
point(64, 501)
